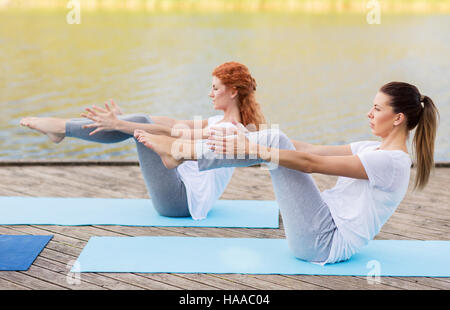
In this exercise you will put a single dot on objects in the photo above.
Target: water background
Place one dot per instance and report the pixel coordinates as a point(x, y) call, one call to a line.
point(316, 74)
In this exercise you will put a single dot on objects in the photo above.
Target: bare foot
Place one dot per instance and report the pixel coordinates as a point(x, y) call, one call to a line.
point(54, 128)
point(162, 145)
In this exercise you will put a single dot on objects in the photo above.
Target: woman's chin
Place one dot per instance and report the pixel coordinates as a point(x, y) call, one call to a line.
point(375, 133)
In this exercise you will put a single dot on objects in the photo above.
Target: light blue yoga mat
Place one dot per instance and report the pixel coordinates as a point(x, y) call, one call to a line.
point(131, 212)
point(257, 256)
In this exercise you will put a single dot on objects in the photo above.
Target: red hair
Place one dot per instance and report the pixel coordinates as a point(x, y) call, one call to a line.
point(236, 75)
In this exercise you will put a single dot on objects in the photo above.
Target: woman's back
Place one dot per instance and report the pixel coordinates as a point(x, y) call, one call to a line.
point(360, 207)
point(204, 188)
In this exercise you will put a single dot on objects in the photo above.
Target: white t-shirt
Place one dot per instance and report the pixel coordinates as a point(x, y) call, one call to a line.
point(203, 188)
point(360, 207)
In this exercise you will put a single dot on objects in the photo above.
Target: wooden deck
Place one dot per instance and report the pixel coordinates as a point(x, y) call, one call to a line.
point(422, 215)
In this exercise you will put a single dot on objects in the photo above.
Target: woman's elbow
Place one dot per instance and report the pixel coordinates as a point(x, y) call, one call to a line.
point(309, 163)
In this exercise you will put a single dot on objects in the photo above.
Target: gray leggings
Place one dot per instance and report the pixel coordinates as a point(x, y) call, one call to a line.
point(308, 224)
point(165, 186)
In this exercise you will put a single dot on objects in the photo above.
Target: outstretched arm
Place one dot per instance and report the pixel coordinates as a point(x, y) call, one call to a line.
point(179, 130)
point(172, 122)
point(130, 127)
point(324, 150)
point(347, 166)
point(106, 119)
point(340, 165)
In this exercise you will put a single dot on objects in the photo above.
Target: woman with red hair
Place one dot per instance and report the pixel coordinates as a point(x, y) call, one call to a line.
point(184, 191)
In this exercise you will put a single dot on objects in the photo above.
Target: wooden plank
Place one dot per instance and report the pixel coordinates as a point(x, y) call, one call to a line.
point(86, 181)
point(443, 279)
point(142, 280)
point(10, 192)
point(291, 282)
point(255, 281)
point(59, 279)
point(8, 285)
point(343, 282)
point(61, 263)
point(216, 281)
point(423, 283)
point(180, 281)
point(424, 226)
point(29, 281)
point(139, 230)
point(413, 232)
point(384, 235)
point(69, 278)
point(53, 184)
point(402, 283)
point(429, 203)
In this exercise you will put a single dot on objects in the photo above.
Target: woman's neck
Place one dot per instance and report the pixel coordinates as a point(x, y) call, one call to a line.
point(231, 113)
point(396, 140)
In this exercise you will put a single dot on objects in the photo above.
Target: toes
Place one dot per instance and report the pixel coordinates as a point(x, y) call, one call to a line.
point(27, 121)
point(148, 144)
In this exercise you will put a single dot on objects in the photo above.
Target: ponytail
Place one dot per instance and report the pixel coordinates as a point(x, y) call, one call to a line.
point(423, 142)
point(419, 111)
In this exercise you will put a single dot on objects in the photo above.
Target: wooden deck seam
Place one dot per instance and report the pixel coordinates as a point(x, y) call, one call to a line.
point(26, 275)
point(5, 284)
point(39, 263)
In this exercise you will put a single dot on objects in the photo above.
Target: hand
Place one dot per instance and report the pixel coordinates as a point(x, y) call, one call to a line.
point(231, 140)
point(115, 108)
point(104, 119)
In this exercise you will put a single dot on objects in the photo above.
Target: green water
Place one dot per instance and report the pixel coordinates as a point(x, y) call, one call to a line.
point(316, 74)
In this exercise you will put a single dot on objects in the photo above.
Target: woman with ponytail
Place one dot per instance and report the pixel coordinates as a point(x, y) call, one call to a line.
point(418, 111)
point(184, 191)
point(331, 226)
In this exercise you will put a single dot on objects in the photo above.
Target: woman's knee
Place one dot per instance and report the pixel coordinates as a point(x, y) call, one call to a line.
point(275, 138)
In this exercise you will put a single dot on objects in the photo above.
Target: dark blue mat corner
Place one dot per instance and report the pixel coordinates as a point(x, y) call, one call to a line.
point(18, 252)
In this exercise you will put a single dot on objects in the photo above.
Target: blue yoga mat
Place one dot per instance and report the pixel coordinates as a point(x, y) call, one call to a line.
point(257, 256)
point(131, 212)
point(19, 252)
